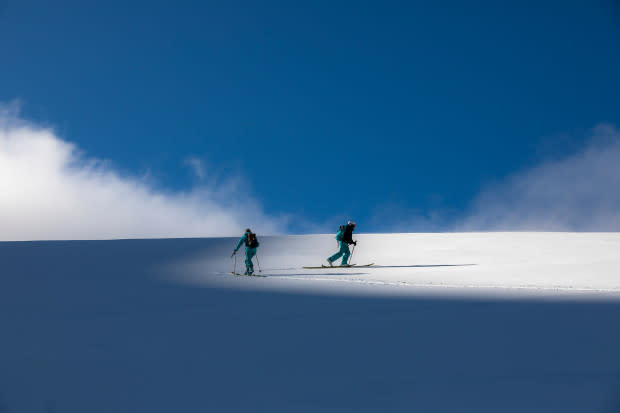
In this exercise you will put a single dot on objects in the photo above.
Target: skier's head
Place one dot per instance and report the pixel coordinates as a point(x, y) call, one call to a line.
point(351, 223)
point(248, 230)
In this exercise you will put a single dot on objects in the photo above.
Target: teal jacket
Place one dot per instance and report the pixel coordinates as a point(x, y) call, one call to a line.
point(244, 239)
point(339, 235)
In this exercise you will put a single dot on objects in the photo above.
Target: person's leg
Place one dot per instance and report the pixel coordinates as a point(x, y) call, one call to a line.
point(249, 254)
point(346, 253)
point(338, 254)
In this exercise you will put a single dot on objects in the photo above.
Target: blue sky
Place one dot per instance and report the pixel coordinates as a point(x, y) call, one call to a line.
point(376, 111)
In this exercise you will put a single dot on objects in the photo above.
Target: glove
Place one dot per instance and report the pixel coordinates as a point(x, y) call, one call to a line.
point(355, 243)
point(234, 253)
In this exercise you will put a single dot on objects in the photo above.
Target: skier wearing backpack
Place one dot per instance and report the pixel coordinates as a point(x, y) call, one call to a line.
point(344, 238)
point(251, 244)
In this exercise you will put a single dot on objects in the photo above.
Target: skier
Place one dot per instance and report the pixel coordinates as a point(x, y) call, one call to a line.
point(344, 238)
point(251, 244)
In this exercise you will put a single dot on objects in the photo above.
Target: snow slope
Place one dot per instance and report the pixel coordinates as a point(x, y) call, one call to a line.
point(501, 322)
point(472, 263)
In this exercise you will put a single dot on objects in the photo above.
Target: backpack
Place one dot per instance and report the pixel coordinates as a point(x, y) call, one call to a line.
point(347, 236)
point(251, 241)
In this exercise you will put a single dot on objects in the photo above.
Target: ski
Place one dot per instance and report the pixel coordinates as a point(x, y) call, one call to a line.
point(339, 266)
point(245, 275)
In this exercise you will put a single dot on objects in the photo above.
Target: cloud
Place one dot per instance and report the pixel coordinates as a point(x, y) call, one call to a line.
point(580, 192)
point(198, 167)
point(50, 190)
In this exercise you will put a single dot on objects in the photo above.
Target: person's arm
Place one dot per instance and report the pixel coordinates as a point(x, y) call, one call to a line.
point(339, 235)
point(351, 239)
point(241, 241)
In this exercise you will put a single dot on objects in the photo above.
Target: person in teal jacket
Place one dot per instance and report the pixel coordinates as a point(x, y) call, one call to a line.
point(344, 238)
point(251, 244)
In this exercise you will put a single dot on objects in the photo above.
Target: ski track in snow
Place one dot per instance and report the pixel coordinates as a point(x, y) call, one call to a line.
point(456, 286)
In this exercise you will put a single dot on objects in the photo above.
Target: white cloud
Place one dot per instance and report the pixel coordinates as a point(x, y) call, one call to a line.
point(49, 190)
point(198, 167)
point(578, 193)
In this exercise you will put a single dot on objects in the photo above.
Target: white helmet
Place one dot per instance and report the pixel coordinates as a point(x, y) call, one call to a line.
point(351, 223)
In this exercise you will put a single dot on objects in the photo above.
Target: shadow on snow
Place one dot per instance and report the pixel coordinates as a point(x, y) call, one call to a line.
point(88, 321)
point(422, 266)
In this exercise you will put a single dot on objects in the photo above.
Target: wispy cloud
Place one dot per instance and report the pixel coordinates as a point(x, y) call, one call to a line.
point(198, 167)
point(580, 192)
point(50, 190)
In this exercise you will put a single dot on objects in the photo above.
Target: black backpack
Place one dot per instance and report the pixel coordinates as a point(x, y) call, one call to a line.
point(252, 241)
point(347, 237)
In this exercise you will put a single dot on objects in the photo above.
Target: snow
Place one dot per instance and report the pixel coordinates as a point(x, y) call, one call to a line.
point(523, 264)
point(497, 322)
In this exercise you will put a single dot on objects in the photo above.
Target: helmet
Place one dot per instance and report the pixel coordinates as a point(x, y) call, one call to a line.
point(351, 223)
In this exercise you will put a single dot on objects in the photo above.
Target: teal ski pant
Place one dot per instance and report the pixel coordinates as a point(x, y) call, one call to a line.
point(249, 254)
point(344, 252)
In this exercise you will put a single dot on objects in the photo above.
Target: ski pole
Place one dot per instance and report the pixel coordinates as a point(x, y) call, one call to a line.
point(258, 262)
point(351, 257)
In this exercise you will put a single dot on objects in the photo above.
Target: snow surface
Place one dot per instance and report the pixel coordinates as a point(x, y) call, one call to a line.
point(525, 264)
point(499, 322)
